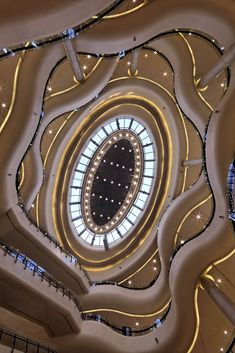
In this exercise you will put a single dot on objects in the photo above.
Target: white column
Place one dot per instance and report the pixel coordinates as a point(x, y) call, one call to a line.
point(192, 162)
point(73, 58)
point(226, 305)
point(134, 61)
point(224, 61)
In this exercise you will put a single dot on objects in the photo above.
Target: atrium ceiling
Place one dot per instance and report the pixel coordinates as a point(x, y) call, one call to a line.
point(113, 164)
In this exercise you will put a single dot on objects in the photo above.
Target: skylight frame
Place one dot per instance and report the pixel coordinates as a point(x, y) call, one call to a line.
point(136, 210)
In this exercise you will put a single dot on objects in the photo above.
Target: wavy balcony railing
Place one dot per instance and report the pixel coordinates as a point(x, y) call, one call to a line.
point(125, 330)
point(39, 271)
point(44, 276)
point(22, 344)
point(12, 51)
point(45, 234)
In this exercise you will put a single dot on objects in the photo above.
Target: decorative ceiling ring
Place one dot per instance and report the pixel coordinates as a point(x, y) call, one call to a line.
point(97, 118)
point(174, 124)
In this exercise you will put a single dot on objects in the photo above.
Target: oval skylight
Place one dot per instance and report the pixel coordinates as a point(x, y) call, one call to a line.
point(112, 182)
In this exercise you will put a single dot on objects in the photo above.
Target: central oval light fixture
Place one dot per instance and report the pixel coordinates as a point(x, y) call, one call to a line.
point(112, 181)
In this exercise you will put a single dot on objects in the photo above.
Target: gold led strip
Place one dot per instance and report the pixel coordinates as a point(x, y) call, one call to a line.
point(45, 161)
point(127, 12)
point(128, 314)
point(194, 72)
point(22, 175)
point(139, 269)
point(197, 320)
point(186, 216)
point(73, 86)
point(15, 81)
point(16, 75)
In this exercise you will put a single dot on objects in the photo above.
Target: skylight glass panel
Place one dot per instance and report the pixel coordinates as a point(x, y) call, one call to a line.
point(126, 224)
point(97, 139)
point(121, 123)
point(147, 181)
point(148, 172)
point(148, 149)
point(110, 238)
point(132, 217)
point(121, 229)
point(77, 182)
point(74, 198)
point(91, 145)
point(114, 125)
point(149, 155)
point(75, 192)
point(148, 165)
point(115, 235)
point(142, 197)
point(146, 140)
point(88, 152)
point(139, 203)
point(96, 241)
point(143, 135)
point(102, 134)
point(88, 238)
point(78, 175)
point(145, 188)
point(108, 128)
point(84, 160)
point(134, 125)
point(74, 208)
point(139, 128)
point(127, 123)
point(79, 224)
point(81, 167)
